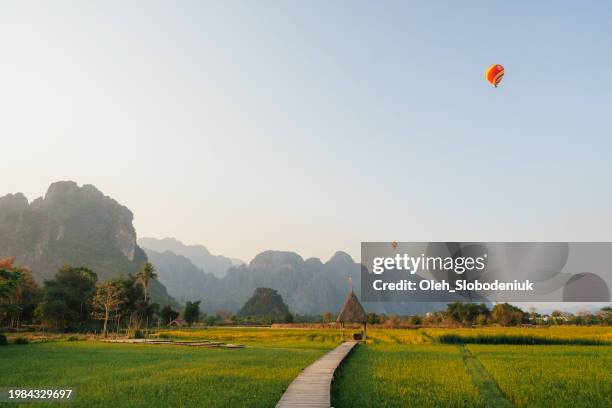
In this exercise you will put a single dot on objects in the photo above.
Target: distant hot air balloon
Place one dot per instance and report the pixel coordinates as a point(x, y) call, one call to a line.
point(494, 74)
point(394, 245)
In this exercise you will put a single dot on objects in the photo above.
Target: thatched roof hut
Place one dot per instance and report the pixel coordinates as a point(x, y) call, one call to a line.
point(352, 311)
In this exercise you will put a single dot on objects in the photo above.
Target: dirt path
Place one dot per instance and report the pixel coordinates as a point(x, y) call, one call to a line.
point(483, 380)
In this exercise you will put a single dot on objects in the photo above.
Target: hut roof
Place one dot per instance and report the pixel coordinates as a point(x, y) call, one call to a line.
point(179, 321)
point(352, 311)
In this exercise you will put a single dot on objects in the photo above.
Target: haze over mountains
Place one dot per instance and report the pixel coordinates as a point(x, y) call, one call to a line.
point(197, 254)
point(81, 226)
point(307, 286)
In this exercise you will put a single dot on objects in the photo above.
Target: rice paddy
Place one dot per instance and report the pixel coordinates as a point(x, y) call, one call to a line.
point(405, 368)
point(131, 375)
point(397, 368)
point(387, 375)
point(555, 376)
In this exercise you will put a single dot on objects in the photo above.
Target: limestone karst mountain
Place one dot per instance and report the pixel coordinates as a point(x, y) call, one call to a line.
point(264, 302)
point(72, 225)
point(307, 286)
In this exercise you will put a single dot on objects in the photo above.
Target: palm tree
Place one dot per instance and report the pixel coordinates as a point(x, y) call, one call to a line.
point(146, 274)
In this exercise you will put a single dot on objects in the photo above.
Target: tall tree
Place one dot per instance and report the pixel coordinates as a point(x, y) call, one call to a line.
point(168, 314)
point(28, 296)
point(606, 315)
point(66, 300)
point(131, 309)
point(373, 318)
point(466, 312)
point(149, 312)
point(10, 280)
point(506, 314)
point(145, 276)
point(108, 299)
point(192, 312)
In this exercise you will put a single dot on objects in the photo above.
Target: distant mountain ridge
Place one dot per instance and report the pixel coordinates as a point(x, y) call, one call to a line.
point(182, 278)
point(199, 255)
point(307, 286)
point(72, 225)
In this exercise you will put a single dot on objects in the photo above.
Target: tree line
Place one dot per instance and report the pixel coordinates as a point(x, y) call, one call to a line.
point(467, 314)
point(74, 300)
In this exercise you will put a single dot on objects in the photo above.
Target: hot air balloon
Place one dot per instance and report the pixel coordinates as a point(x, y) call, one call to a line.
point(394, 245)
point(494, 74)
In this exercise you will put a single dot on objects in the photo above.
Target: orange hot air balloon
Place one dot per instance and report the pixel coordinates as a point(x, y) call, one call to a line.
point(494, 74)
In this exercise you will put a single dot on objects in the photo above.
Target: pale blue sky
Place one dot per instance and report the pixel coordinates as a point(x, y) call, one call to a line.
point(312, 126)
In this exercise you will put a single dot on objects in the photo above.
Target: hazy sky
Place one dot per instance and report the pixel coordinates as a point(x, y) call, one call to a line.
point(312, 126)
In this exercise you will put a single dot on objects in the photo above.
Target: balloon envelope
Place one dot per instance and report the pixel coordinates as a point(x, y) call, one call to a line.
point(494, 74)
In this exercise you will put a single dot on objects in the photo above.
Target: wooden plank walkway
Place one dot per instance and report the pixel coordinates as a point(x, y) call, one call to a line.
point(311, 389)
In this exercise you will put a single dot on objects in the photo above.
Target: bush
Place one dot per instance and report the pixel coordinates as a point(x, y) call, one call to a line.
point(21, 340)
point(416, 320)
point(211, 320)
point(74, 338)
point(135, 333)
point(3, 341)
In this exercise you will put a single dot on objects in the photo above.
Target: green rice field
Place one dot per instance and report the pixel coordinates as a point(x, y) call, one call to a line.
point(559, 376)
point(396, 368)
point(428, 375)
point(135, 375)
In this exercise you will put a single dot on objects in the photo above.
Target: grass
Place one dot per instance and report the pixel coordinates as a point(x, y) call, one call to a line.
point(413, 368)
point(483, 380)
point(129, 375)
point(397, 368)
point(555, 376)
point(387, 375)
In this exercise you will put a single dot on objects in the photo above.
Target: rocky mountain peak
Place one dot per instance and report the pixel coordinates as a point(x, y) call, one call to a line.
point(275, 260)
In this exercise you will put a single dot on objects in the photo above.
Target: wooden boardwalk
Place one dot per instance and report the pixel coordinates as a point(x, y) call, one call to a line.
point(312, 387)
